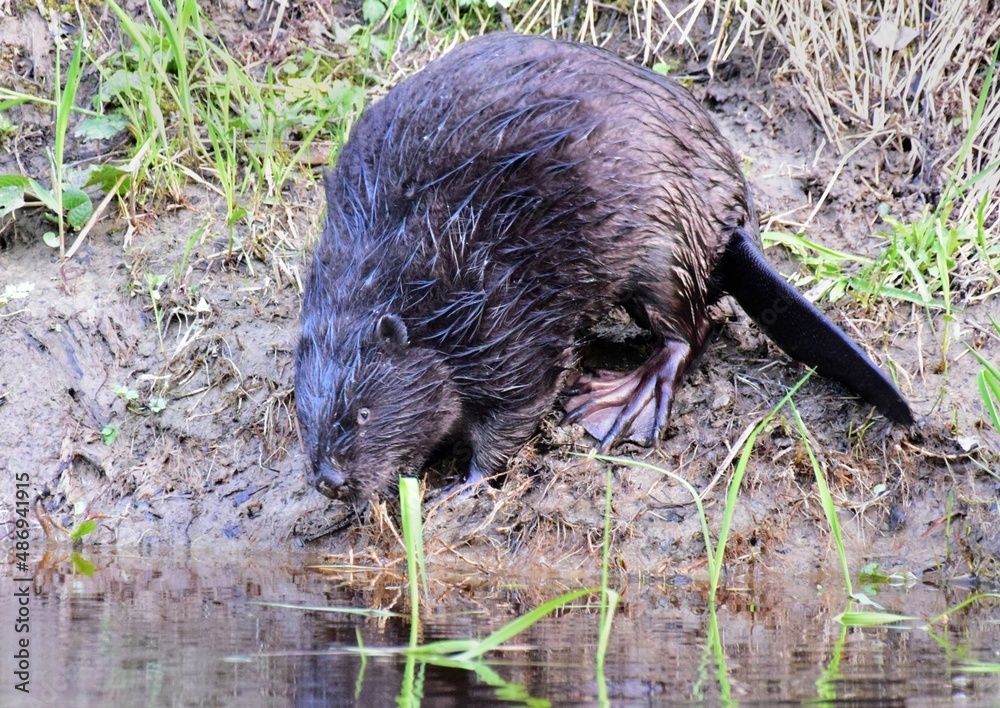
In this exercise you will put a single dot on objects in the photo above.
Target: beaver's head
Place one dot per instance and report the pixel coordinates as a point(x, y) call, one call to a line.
point(371, 406)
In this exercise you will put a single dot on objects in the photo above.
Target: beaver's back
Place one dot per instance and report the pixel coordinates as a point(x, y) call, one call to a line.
point(518, 184)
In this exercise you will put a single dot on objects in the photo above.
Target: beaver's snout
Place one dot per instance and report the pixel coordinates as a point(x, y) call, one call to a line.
point(331, 482)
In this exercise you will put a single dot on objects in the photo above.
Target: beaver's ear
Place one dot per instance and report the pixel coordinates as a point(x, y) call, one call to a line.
point(390, 332)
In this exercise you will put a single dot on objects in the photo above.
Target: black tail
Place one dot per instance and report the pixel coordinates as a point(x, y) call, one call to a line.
point(801, 330)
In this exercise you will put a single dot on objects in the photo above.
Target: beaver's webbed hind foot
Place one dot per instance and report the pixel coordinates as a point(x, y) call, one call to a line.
point(473, 484)
point(632, 406)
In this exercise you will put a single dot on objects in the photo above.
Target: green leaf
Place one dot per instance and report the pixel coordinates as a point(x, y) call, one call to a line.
point(107, 176)
point(82, 565)
point(871, 619)
point(120, 82)
point(101, 127)
point(18, 181)
point(109, 434)
point(44, 195)
point(400, 7)
point(237, 214)
point(522, 623)
point(10, 103)
point(11, 198)
point(125, 392)
point(88, 526)
point(78, 207)
point(73, 73)
point(51, 239)
point(372, 11)
point(986, 387)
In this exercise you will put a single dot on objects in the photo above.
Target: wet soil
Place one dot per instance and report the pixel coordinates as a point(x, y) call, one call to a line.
point(222, 463)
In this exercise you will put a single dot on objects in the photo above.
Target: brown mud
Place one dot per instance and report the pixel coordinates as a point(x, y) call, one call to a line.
point(222, 464)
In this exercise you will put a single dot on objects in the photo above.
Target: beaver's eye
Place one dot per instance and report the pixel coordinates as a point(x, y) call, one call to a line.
point(363, 415)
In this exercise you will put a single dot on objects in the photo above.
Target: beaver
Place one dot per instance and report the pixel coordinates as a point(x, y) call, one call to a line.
point(487, 209)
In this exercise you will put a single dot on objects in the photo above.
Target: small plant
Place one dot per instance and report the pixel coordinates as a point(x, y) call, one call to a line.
point(109, 433)
point(454, 650)
point(83, 528)
point(153, 284)
point(18, 291)
point(129, 395)
point(70, 206)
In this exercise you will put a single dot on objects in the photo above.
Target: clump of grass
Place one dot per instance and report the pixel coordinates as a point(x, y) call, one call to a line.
point(459, 650)
point(69, 205)
point(872, 75)
point(869, 75)
point(240, 151)
point(934, 260)
point(195, 114)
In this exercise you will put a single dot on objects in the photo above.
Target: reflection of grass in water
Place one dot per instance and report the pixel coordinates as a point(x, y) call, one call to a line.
point(465, 654)
point(457, 652)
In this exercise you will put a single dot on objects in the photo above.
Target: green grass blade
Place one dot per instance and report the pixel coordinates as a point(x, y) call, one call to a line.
point(980, 667)
point(732, 495)
point(175, 29)
point(133, 30)
point(372, 612)
point(867, 286)
point(989, 383)
point(67, 99)
point(409, 501)
point(871, 619)
point(606, 554)
point(829, 508)
point(10, 103)
point(608, 607)
point(520, 624)
point(47, 197)
point(952, 192)
point(798, 242)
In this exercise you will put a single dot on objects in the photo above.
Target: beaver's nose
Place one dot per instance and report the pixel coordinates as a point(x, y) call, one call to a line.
point(331, 482)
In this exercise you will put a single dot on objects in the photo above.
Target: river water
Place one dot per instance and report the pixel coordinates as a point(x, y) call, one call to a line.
point(129, 630)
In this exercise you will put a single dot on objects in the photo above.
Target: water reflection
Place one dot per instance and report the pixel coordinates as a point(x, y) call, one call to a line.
point(189, 631)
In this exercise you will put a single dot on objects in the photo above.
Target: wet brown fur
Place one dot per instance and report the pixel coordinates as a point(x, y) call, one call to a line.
point(479, 215)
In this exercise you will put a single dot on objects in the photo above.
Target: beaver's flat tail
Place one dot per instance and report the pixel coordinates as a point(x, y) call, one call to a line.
point(801, 330)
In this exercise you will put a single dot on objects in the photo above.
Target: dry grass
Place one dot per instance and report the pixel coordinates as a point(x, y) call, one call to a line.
point(906, 75)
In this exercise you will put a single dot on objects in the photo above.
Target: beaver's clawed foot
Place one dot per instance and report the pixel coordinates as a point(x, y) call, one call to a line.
point(632, 406)
point(472, 485)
